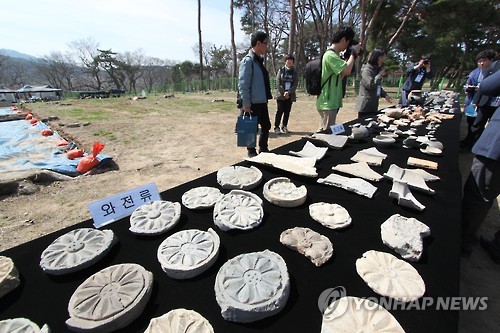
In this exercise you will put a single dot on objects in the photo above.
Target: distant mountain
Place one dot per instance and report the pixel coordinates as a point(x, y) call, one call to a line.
point(15, 54)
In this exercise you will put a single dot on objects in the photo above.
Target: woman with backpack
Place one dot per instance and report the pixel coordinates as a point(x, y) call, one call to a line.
point(286, 83)
point(370, 89)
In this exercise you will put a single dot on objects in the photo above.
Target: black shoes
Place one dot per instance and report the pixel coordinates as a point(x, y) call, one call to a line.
point(251, 152)
point(264, 150)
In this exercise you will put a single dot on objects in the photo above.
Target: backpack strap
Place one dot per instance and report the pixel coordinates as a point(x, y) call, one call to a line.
point(330, 77)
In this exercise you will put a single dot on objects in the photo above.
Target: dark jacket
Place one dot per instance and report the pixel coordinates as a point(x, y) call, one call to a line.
point(472, 80)
point(482, 98)
point(367, 101)
point(286, 75)
point(488, 144)
point(416, 78)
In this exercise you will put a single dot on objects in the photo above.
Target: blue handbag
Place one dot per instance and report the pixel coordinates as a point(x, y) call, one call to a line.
point(246, 130)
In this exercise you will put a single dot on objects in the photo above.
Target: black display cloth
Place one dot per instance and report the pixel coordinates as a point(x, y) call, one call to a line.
point(44, 298)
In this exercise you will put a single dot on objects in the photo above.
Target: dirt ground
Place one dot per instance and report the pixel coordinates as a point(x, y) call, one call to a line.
point(170, 147)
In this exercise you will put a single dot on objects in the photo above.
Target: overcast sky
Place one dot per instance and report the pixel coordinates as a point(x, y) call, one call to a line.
point(165, 29)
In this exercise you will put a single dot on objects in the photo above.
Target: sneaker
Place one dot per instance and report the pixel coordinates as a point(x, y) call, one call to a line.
point(252, 152)
point(285, 130)
point(277, 130)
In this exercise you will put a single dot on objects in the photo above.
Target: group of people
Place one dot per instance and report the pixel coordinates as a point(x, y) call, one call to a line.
point(482, 186)
point(483, 88)
point(337, 63)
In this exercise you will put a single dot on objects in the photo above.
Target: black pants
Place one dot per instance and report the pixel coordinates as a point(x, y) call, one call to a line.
point(262, 112)
point(469, 139)
point(484, 114)
point(284, 108)
point(480, 191)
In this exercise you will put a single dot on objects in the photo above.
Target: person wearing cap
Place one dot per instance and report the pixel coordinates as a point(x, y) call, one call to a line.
point(333, 70)
point(286, 83)
point(416, 77)
point(254, 88)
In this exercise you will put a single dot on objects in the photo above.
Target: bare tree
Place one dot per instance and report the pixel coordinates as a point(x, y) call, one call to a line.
point(293, 22)
point(131, 64)
point(58, 69)
point(233, 44)
point(365, 30)
point(403, 23)
point(85, 50)
point(3, 62)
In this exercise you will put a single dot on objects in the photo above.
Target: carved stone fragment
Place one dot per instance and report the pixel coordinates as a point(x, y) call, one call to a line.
point(282, 192)
point(330, 215)
point(238, 210)
point(356, 185)
point(9, 276)
point(352, 314)
point(21, 325)
point(252, 286)
point(188, 253)
point(434, 151)
point(179, 321)
point(310, 150)
point(414, 178)
point(413, 161)
point(76, 250)
point(239, 177)
point(155, 218)
point(390, 276)
point(303, 166)
point(402, 193)
point(314, 246)
point(405, 235)
point(110, 299)
point(359, 169)
point(370, 156)
point(201, 197)
point(331, 140)
point(383, 141)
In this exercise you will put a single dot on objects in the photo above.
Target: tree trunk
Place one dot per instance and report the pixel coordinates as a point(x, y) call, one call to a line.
point(233, 44)
point(200, 45)
point(366, 32)
point(293, 20)
point(403, 23)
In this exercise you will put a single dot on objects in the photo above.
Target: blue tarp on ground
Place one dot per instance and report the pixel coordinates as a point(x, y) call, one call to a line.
point(23, 148)
point(7, 111)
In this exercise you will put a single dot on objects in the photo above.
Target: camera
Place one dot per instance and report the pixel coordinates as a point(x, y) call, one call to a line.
point(427, 61)
point(348, 51)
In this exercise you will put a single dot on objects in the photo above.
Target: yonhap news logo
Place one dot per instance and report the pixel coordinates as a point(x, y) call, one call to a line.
point(327, 299)
point(330, 307)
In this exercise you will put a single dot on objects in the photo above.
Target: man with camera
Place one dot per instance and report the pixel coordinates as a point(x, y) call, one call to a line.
point(416, 77)
point(484, 61)
point(333, 70)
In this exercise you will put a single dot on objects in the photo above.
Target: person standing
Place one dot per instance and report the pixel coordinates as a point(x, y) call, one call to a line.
point(483, 183)
point(370, 89)
point(416, 77)
point(484, 60)
point(486, 104)
point(286, 83)
point(254, 88)
point(333, 70)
